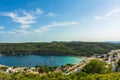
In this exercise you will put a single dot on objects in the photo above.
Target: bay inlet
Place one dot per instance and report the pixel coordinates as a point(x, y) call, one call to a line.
point(33, 60)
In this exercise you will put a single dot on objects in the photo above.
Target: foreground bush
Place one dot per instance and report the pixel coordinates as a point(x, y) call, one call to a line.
point(59, 76)
point(97, 66)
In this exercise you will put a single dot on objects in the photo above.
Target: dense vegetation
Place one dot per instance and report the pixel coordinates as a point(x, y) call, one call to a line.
point(59, 76)
point(58, 48)
point(97, 66)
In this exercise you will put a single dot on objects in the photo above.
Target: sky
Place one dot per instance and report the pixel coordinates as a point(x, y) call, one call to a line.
point(59, 20)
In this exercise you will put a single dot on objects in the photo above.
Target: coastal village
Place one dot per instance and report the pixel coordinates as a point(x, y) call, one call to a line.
point(111, 57)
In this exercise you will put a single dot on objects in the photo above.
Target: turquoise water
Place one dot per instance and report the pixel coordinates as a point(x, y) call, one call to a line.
point(32, 60)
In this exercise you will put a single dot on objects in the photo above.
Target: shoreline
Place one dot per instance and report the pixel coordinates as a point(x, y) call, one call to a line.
point(40, 53)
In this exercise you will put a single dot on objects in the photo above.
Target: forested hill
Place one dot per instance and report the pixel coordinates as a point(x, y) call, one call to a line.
point(58, 48)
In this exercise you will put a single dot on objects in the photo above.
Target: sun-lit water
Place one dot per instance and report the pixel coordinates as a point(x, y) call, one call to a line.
point(32, 60)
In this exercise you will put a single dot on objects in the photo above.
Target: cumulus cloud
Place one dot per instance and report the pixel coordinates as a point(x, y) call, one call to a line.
point(22, 31)
point(1, 27)
point(115, 11)
point(41, 29)
point(25, 26)
point(2, 31)
point(25, 19)
point(53, 25)
point(51, 14)
point(38, 11)
point(98, 17)
point(8, 32)
point(108, 14)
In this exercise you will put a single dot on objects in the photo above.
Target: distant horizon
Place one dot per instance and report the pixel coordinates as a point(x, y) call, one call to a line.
point(59, 20)
point(63, 41)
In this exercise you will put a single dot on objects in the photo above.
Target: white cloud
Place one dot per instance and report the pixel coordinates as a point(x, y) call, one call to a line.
point(98, 17)
point(2, 31)
point(8, 32)
point(108, 14)
point(24, 18)
point(25, 26)
point(40, 30)
point(1, 27)
point(51, 14)
point(115, 11)
point(22, 31)
point(38, 11)
point(53, 25)
point(66, 23)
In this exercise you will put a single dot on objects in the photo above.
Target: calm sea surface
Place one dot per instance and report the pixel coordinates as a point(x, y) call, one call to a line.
point(32, 60)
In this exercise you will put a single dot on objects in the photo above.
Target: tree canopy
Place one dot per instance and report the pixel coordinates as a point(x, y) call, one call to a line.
point(97, 66)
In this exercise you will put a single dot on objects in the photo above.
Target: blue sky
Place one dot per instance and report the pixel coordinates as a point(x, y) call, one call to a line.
point(59, 20)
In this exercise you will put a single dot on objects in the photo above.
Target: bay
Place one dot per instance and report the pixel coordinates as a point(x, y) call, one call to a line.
point(32, 60)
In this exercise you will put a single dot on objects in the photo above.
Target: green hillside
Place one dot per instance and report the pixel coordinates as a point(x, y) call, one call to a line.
point(58, 48)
